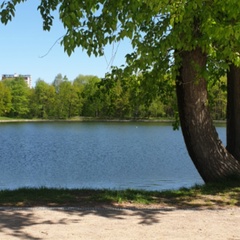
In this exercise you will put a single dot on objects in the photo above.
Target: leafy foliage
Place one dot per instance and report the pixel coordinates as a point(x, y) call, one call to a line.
point(158, 31)
point(5, 99)
point(90, 96)
point(43, 100)
point(20, 97)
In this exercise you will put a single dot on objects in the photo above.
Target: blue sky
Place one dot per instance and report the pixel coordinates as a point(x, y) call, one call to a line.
point(23, 42)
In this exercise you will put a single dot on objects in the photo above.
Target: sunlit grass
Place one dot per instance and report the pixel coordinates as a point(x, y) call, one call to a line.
point(91, 119)
point(5, 118)
point(210, 195)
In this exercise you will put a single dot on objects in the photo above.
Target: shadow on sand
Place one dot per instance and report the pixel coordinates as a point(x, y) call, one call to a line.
point(14, 221)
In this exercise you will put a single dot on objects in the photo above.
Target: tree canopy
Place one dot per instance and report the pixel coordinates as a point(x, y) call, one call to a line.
point(156, 28)
point(87, 96)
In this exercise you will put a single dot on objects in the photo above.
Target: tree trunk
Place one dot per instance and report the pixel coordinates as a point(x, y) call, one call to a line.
point(233, 111)
point(210, 157)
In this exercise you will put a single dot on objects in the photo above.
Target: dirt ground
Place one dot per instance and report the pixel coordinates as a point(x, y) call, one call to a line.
point(118, 223)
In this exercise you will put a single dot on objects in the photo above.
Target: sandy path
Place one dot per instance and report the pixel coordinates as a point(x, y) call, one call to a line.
point(165, 223)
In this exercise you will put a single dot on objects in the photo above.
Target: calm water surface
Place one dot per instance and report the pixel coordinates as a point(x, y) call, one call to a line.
point(147, 156)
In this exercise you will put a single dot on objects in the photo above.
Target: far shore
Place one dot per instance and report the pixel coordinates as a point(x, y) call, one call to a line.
point(89, 119)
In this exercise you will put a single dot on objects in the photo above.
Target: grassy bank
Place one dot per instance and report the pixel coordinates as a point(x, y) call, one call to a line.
point(211, 195)
point(92, 119)
point(88, 119)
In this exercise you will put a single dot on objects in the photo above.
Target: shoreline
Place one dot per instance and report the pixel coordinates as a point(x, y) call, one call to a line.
point(85, 119)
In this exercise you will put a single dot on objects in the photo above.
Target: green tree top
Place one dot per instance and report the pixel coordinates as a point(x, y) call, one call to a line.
point(155, 28)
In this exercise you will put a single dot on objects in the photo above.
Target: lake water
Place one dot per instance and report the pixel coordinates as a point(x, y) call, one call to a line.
point(148, 156)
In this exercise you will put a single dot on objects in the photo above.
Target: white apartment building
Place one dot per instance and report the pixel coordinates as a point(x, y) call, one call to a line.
point(26, 77)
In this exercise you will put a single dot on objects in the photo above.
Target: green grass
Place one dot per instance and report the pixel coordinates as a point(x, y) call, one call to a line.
point(5, 118)
point(90, 119)
point(210, 195)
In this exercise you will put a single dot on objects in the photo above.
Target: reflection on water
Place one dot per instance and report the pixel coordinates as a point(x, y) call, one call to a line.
point(147, 156)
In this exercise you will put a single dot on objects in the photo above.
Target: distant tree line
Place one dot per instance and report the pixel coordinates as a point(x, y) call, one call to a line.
point(90, 96)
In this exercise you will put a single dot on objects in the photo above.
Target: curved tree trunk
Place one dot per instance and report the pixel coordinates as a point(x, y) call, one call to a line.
point(210, 157)
point(233, 111)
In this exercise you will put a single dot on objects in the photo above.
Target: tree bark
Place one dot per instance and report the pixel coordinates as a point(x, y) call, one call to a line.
point(233, 111)
point(207, 152)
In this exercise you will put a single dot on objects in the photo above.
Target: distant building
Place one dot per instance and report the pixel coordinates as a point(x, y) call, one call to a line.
point(26, 77)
